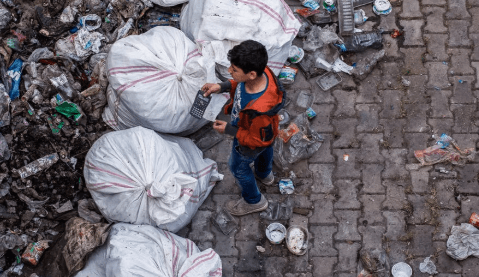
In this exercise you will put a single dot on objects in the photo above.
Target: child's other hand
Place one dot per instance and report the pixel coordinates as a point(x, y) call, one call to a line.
point(220, 126)
point(210, 88)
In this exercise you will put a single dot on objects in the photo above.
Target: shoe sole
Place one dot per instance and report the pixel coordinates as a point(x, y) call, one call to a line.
point(250, 212)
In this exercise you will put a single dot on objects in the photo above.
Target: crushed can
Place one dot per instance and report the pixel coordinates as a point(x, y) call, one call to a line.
point(474, 220)
point(286, 186)
point(329, 5)
point(310, 113)
point(34, 252)
point(287, 75)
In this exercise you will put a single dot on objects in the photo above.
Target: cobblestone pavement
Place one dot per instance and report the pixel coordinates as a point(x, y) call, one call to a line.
point(372, 200)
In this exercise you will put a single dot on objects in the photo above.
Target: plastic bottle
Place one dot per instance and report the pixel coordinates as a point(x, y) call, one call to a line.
point(361, 41)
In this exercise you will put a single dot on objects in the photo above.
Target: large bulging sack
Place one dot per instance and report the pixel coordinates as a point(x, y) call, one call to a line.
point(154, 78)
point(141, 250)
point(218, 25)
point(140, 177)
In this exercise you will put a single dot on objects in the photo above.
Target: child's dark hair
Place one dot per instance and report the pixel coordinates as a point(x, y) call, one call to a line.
point(250, 56)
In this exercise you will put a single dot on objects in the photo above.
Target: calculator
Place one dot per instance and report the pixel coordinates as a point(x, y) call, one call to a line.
point(200, 104)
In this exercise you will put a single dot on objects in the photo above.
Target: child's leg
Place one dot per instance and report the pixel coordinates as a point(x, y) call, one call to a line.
point(264, 163)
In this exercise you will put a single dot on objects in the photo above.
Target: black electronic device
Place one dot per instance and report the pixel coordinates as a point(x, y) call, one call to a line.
point(200, 104)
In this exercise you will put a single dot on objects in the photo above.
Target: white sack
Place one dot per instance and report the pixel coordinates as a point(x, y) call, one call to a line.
point(140, 177)
point(141, 250)
point(154, 80)
point(218, 25)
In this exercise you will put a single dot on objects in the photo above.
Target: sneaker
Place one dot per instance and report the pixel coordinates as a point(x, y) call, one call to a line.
point(241, 207)
point(269, 180)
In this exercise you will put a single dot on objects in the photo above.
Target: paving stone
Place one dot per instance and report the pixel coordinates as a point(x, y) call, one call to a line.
point(348, 194)
point(323, 241)
point(458, 35)
point(394, 163)
point(447, 219)
point(222, 199)
point(437, 75)
point(475, 52)
point(323, 210)
point(416, 118)
point(323, 267)
point(301, 169)
point(395, 196)
point(412, 32)
point(421, 209)
point(445, 194)
point(393, 131)
point(348, 255)
point(460, 61)
point(249, 258)
point(275, 266)
point(347, 82)
point(416, 92)
point(466, 140)
point(443, 262)
point(467, 179)
point(324, 154)
point(348, 226)
point(368, 88)
point(371, 204)
point(476, 66)
point(300, 263)
point(372, 236)
point(436, 47)
point(473, 2)
point(346, 101)
point(391, 75)
point(208, 204)
point(440, 103)
point(396, 224)
point(391, 106)
point(203, 245)
point(435, 20)
point(433, 2)
point(201, 227)
point(225, 244)
point(422, 240)
point(457, 10)
point(228, 265)
point(420, 180)
point(368, 117)
point(227, 185)
point(249, 228)
point(448, 275)
point(469, 267)
point(441, 126)
point(298, 275)
point(463, 121)
point(298, 220)
point(300, 82)
point(321, 123)
point(322, 177)
point(413, 58)
point(345, 129)
point(410, 8)
point(371, 177)
point(416, 141)
point(475, 20)
point(349, 168)
point(369, 151)
point(397, 251)
point(388, 22)
point(390, 45)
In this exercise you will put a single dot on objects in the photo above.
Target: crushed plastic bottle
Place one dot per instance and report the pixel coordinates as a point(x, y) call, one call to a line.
point(361, 41)
point(278, 210)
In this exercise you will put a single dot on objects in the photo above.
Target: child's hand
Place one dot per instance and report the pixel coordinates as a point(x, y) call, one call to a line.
point(220, 126)
point(210, 88)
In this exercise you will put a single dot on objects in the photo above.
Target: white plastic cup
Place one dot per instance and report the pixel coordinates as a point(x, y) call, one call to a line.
point(275, 232)
point(296, 54)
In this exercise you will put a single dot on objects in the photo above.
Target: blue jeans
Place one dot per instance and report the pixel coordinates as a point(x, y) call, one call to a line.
point(239, 166)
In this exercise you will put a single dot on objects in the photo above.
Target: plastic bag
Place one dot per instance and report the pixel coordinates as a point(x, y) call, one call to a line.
point(4, 107)
point(14, 73)
point(140, 177)
point(142, 250)
point(445, 150)
point(428, 266)
point(319, 37)
point(463, 242)
point(90, 22)
point(5, 17)
point(4, 150)
point(58, 79)
point(40, 53)
point(217, 26)
point(86, 42)
point(374, 261)
point(155, 77)
point(301, 145)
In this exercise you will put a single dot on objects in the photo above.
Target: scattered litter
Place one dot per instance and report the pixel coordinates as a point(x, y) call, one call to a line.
point(286, 134)
point(296, 54)
point(396, 33)
point(224, 221)
point(405, 82)
point(286, 186)
point(346, 17)
point(284, 117)
point(358, 42)
point(329, 5)
point(305, 99)
point(275, 232)
point(15, 73)
point(260, 249)
point(382, 7)
point(445, 150)
point(346, 157)
point(474, 220)
point(311, 4)
point(374, 261)
point(36, 166)
point(287, 75)
point(328, 80)
point(34, 252)
point(463, 242)
point(278, 210)
point(66, 207)
point(401, 269)
point(360, 17)
point(428, 266)
point(310, 113)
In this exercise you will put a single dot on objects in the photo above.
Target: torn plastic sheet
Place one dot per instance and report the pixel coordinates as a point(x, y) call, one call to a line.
point(86, 42)
point(340, 66)
point(428, 266)
point(463, 242)
point(445, 150)
point(68, 14)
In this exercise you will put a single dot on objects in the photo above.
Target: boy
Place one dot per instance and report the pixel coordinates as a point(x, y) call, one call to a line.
point(257, 96)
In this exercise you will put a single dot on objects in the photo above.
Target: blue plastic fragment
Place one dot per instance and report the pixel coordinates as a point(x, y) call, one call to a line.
point(15, 73)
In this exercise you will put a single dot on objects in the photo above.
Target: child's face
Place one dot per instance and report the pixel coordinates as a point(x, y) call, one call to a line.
point(239, 75)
